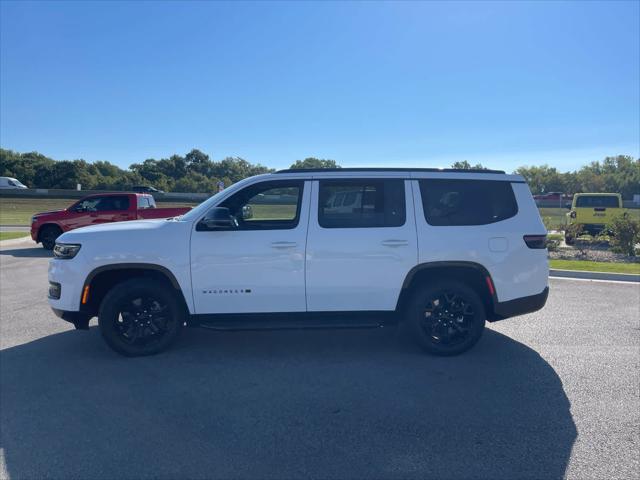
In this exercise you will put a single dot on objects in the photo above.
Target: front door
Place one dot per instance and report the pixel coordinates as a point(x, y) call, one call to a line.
point(257, 266)
point(362, 243)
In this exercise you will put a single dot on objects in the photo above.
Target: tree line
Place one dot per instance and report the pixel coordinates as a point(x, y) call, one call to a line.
point(196, 172)
point(619, 174)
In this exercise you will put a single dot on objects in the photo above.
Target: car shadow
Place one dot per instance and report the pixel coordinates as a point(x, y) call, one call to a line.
point(31, 252)
point(329, 404)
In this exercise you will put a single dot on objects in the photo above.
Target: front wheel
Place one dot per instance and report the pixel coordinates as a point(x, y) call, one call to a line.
point(49, 235)
point(140, 317)
point(446, 319)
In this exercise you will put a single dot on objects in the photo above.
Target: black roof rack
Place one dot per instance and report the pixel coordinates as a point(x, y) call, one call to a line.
point(441, 170)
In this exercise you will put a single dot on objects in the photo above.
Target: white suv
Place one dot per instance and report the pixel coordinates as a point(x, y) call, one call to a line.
point(441, 250)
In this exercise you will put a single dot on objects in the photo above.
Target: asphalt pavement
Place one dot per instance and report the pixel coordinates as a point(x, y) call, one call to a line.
point(547, 395)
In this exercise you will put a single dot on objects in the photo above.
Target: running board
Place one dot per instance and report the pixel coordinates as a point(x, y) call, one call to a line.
point(290, 321)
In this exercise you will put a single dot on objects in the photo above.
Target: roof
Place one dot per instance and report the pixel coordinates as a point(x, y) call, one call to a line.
point(443, 170)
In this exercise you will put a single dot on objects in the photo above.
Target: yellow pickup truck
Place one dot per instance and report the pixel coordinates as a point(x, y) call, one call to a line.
point(593, 211)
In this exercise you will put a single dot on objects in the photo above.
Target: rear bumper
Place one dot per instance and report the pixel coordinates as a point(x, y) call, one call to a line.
point(519, 306)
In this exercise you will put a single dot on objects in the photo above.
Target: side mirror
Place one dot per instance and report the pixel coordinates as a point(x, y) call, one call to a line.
point(218, 218)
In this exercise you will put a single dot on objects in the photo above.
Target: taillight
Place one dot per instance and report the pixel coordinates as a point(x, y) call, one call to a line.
point(536, 241)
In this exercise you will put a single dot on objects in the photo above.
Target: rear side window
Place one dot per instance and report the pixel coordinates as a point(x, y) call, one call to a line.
point(467, 202)
point(361, 203)
point(606, 201)
point(146, 202)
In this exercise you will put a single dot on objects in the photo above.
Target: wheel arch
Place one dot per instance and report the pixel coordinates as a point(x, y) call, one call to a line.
point(472, 274)
point(44, 226)
point(101, 279)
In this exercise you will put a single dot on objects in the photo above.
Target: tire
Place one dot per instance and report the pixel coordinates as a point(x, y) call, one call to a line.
point(569, 240)
point(141, 317)
point(48, 236)
point(446, 319)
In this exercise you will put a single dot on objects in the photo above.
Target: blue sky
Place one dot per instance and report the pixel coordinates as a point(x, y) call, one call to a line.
point(381, 84)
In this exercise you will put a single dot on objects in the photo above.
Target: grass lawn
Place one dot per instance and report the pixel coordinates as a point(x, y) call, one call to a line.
point(587, 266)
point(557, 216)
point(10, 235)
point(18, 211)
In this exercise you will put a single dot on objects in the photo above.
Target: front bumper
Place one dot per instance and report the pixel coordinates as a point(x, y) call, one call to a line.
point(80, 320)
point(520, 306)
point(70, 275)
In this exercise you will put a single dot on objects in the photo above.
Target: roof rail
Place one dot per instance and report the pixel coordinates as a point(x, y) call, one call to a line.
point(441, 170)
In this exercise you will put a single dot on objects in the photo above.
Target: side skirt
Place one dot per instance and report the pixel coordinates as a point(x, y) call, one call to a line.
point(294, 320)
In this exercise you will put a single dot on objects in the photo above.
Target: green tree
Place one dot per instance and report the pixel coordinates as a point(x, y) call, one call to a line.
point(464, 165)
point(542, 179)
point(312, 162)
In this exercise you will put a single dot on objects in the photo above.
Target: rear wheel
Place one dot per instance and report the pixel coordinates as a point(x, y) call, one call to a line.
point(446, 319)
point(48, 236)
point(140, 317)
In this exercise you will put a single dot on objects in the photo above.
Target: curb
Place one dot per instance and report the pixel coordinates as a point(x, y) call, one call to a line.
point(620, 277)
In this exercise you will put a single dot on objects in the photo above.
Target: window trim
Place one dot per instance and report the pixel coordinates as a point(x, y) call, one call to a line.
point(422, 181)
point(300, 183)
point(360, 181)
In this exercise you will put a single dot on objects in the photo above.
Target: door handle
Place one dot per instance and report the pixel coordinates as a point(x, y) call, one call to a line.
point(281, 245)
point(395, 243)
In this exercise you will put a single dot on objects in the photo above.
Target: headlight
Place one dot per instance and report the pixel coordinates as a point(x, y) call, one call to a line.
point(66, 250)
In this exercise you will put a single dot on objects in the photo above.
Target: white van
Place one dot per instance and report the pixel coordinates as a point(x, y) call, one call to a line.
point(441, 250)
point(11, 183)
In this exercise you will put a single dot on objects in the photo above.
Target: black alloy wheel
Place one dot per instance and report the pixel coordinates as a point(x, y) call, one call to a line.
point(446, 319)
point(141, 316)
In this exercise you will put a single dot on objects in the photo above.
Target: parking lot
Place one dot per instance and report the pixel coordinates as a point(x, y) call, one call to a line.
point(547, 395)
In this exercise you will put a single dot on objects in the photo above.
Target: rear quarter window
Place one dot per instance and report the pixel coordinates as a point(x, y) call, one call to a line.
point(467, 202)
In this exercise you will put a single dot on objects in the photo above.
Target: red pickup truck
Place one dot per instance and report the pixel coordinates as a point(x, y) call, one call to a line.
point(96, 209)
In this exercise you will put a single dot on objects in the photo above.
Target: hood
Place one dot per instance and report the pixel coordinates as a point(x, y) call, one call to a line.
point(44, 214)
point(119, 230)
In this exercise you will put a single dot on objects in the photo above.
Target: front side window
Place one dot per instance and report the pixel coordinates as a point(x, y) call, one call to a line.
point(361, 203)
point(267, 205)
point(88, 205)
point(111, 204)
point(467, 202)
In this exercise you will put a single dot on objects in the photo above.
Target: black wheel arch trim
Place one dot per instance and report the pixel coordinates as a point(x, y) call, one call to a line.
point(444, 264)
point(138, 266)
point(406, 285)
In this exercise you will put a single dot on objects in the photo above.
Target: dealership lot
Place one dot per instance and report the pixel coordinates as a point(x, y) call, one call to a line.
point(541, 396)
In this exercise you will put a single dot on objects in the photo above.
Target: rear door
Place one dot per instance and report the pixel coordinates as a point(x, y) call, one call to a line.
point(361, 243)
